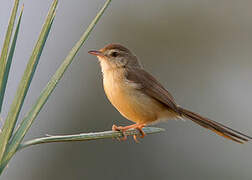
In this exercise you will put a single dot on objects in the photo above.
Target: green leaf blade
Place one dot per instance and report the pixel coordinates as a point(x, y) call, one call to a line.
point(32, 114)
point(9, 60)
point(5, 49)
point(24, 84)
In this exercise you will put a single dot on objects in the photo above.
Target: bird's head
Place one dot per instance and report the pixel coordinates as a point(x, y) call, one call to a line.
point(115, 56)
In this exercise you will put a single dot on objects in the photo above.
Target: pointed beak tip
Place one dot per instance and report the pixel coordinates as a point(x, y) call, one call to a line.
point(95, 53)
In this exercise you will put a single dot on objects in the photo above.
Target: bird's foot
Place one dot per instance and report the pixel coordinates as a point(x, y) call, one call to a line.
point(140, 129)
point(122, 129)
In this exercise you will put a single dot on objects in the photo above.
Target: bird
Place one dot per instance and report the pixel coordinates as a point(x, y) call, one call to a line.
point(142, 99)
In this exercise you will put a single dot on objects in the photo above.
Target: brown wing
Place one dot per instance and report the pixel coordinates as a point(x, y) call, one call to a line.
point(150, 86)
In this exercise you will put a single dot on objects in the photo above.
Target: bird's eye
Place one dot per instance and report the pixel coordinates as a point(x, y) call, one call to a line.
point(114, 54)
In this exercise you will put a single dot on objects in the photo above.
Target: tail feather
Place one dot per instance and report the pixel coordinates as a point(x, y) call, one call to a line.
point(216, 127)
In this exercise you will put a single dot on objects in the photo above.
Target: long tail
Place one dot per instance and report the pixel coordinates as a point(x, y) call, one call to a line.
point(218, 128)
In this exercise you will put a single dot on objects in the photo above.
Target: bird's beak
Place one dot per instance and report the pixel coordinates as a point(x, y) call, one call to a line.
point(95, 53)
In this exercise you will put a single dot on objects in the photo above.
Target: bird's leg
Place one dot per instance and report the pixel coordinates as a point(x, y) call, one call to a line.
point(122, 129)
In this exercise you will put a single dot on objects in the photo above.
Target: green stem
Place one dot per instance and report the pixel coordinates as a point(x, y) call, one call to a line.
point(88, 136)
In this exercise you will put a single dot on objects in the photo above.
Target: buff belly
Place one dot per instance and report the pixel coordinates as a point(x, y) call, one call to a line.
point(131, 102)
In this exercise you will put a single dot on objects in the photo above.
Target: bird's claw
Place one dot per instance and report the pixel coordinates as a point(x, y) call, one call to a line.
point(123, 129)
point(120, 129)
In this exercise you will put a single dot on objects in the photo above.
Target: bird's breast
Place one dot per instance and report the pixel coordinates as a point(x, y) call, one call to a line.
point(128, 100)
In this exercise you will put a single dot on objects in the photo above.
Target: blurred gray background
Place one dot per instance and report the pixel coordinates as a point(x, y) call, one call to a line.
point(200, 50)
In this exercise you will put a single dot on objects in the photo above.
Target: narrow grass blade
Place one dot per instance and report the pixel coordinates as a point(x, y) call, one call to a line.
point(24, 84)
point(6, 44)
point(32, 114)
point(9, 60)
point(89, 136)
